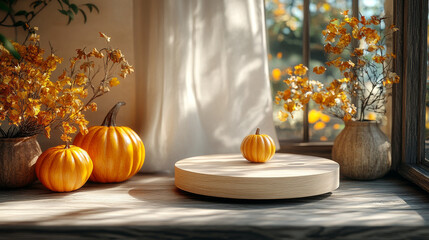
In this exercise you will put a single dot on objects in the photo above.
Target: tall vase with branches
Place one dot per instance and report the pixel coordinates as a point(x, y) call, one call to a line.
point(366, 76)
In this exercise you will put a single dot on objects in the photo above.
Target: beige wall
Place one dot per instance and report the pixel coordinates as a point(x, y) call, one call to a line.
point(116, 20)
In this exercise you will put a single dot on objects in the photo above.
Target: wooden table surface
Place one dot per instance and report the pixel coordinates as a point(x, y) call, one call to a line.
point(151, 207)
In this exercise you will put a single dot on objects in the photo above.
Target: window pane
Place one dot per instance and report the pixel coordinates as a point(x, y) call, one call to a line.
point(323, 126)
point(284, 20)
point(370, 8)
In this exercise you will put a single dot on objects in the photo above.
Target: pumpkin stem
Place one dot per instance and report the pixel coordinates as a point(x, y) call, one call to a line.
point(110, 119)
point(257, 131)
point(67, 145)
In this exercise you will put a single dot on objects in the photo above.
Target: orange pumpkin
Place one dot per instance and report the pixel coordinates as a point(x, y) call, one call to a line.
point(117, 152)
point(258, 147)
point(64, 168)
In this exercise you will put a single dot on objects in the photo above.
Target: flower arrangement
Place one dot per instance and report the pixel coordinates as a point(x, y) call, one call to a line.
point(358, 51)
point(32, 103)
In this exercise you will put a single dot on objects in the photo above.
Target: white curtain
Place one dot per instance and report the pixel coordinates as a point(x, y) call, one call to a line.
point(202, 77)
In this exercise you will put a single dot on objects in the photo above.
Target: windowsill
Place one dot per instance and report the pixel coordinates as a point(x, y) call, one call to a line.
point(416, 173)
point(319, 149)
point(151, 207)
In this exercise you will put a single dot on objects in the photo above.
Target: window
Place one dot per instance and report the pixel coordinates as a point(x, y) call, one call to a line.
point(294, 30)
point(409, 97)
point(290, 42)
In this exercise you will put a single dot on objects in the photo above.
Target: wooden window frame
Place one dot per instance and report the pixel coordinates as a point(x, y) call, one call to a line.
point(408, 115)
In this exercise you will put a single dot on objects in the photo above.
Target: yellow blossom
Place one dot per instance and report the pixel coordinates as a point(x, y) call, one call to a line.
point(113, 82)
point(48, 131)
point(34, 38)
point(65, 137)
point(104, 36)
point(93, 106)
point(81, 79)
point(379, 59)
point(116, 56)
point(300, 70)
point(282, 116)
point(319, 70)
point(30, 98)
point(357, 52)
point(345, 13)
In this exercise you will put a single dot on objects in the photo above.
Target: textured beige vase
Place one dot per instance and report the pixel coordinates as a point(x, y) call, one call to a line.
point(362, 150)
point(18, 157)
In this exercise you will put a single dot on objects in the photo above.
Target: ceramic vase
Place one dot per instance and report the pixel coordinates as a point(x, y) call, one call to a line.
point(362, 150)
point(18, 157)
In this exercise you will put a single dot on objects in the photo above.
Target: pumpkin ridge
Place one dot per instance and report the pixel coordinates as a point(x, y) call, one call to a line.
point(46, 162)
point(56, 163)
point(141, 155)
point(260, 146)
point(87, 139)
point(87, 159)
point(76, 156)
point(265, 150)
point(97, 152)
point(255, 148)
point(120, 165)
point(67, 161)
point(141, 152)
point(54, 168)
point(109, 154)
point(88, 162)
point(273, 147)
point(134, 153)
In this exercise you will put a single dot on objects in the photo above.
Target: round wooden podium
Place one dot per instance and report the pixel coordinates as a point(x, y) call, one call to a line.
point(232, 176)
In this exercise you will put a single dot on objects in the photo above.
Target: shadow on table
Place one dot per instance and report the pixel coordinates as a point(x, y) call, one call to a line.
point(295, 201)
point(37, 191)
point(419, 198)
point(169, 195)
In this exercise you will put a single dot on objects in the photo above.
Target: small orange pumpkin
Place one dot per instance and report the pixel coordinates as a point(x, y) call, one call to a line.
point(64, 168)
point(117, 152)
point(258, 147)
